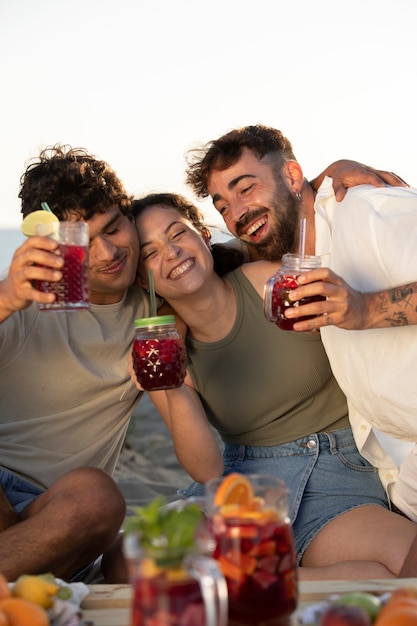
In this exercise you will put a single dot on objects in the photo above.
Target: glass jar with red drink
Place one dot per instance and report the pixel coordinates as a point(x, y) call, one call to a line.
point(159, 357)
point(175, 581)
point(277, 291)
point(254, 546)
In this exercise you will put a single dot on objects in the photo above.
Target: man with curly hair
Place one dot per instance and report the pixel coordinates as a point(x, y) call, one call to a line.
point(65, 392)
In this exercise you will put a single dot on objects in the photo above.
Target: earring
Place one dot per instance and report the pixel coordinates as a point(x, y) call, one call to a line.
point(298, 196)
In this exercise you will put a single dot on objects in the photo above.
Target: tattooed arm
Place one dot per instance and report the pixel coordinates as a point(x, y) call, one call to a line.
point(350, 309)
point(398, 306)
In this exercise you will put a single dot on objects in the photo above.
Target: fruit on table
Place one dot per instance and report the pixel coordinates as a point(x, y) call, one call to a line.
point(345, 615)
point(5, 591)
point(367, 601)
point(28, 226)
point(399, 610)
point(20, 612)
point(36, 589)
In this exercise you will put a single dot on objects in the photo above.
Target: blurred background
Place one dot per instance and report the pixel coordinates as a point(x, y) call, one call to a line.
point(138, 83)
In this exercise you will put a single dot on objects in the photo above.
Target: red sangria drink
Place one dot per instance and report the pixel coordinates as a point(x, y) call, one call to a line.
point(159, 357)
point(72, 291)
point(255, 551)
point(277, 292)
point(160, 600)
point(175, 581)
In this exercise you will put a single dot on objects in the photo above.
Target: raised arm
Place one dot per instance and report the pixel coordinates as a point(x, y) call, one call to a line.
point(346, 173)
point(32, 261)
point(194, 441)
point(350, 309)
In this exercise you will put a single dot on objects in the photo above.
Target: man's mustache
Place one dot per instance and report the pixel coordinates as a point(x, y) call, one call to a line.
point(247, 219)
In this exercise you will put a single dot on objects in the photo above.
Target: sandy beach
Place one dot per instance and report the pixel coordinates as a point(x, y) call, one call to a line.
point(148, 466)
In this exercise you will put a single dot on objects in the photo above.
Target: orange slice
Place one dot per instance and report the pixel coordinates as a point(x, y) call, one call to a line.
point(234, 489)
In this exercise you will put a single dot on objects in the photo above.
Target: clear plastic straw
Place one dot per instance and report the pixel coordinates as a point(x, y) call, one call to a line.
point(302, 238)
point(152, 293)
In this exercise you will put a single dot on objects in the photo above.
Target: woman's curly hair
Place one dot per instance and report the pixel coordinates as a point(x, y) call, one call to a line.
point(73, 183)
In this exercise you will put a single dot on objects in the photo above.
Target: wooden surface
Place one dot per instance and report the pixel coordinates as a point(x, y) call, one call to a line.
point(109, 605)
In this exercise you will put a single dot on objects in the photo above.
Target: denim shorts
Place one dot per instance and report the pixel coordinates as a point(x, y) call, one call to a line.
point(19, 492)
point(325, 474)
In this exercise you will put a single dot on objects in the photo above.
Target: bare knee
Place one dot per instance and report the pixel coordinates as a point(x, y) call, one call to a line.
point(89, 501)
point(97, 494)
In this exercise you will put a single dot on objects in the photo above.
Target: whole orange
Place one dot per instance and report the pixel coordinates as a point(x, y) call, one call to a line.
point(20, 612)
point(398, 612)
point(5, 591)
point(4, 619)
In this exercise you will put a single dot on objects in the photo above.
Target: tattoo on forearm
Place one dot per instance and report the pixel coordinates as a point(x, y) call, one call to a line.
point(402, 297)
point(402, 294)
point(399, 319)
point(383, 302)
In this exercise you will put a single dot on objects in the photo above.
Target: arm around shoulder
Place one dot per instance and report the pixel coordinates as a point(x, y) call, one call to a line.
point(346, 173)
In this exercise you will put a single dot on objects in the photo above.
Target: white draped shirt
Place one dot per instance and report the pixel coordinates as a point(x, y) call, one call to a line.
point(370, 239)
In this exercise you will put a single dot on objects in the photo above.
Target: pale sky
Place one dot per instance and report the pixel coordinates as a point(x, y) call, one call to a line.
point(139, 82)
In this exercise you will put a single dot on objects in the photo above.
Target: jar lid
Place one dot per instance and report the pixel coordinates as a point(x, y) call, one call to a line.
point(155, 321)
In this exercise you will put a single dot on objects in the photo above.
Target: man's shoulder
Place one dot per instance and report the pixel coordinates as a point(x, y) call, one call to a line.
point(138, 298)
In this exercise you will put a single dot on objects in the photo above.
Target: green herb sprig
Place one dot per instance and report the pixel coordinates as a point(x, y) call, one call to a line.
point(162, 529)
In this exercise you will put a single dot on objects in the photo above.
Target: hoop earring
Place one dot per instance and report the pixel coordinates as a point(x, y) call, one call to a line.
point(298, 196)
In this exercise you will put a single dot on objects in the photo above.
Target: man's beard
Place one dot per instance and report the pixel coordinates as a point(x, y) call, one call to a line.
point(282, 237)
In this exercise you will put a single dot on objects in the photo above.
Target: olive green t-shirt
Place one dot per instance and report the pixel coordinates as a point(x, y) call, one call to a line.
point(66, 396)
point(261, 385)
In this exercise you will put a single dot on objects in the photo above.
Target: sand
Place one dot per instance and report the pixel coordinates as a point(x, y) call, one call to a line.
point(148, 466)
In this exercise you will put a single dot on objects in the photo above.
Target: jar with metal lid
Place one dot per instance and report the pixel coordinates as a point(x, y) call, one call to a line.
point(277, 291)
point(159, 357)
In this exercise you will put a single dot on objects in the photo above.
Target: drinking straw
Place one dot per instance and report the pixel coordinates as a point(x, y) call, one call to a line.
point(152, 293)
point(46, 207)
point(302, 237)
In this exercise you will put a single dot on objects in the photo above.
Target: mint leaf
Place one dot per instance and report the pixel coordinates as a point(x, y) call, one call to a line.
point(160, 528)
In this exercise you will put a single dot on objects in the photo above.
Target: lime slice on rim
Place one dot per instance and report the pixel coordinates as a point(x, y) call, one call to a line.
point(28, 226)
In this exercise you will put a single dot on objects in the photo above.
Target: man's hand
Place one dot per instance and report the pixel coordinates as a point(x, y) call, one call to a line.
point(348, 308)
point(33, 260)
point(347, 174)
point(343, 306)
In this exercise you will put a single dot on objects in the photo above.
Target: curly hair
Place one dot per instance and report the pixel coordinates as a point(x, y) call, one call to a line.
point(225, 258)
point(73, 183)
point(221, 153)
